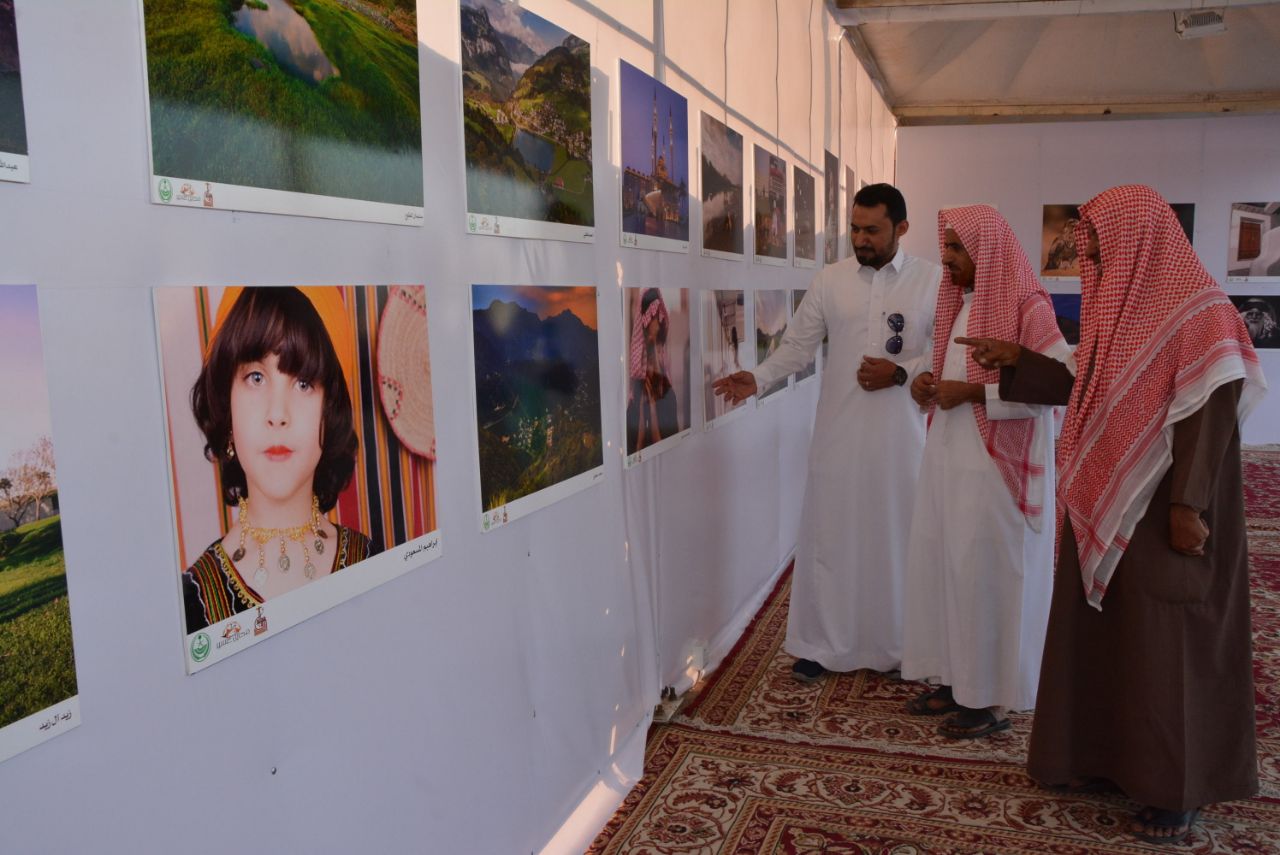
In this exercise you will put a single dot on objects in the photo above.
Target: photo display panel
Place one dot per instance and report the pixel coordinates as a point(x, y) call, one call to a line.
point(770, 208)
point(38, 691)
point(537, 388)
point(771, 325)
point(302, 451)
point(657, 378)
point(722, 193)
point(725, 349)
point(14, 159)
point(526, 103)
point(307, 108)
point(654, 135)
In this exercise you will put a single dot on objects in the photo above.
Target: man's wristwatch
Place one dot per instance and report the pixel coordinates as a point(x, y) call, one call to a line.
point(899, 376)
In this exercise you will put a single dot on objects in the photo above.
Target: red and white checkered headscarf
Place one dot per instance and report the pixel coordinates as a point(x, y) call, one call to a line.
point(638, 362)
point(1009, 304)
point(1157, 337)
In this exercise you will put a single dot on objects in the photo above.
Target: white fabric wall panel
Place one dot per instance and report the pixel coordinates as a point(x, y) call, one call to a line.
point(798, 97)
point(519, 670)
point(1019, 168)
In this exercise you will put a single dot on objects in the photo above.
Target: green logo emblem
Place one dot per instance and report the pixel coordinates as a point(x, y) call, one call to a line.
point(200, 647)
point(166, 190)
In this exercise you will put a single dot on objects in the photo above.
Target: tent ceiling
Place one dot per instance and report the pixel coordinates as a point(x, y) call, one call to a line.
point(1012, 60)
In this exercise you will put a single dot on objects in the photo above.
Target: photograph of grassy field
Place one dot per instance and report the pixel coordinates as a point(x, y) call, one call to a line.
point(37, 668)
point(308, 96)
point(526, 88)
point(37, 664)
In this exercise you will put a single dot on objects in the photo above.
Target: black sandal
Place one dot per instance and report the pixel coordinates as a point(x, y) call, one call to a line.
point(1153, 818)
point(922, 703)
point(972, 724)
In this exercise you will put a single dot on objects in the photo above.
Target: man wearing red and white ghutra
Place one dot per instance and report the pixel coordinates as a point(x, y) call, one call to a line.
point(980, 559)
point(1147, 680)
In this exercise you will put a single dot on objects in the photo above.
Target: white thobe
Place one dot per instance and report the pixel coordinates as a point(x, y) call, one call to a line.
point(979, 578)
point(846, 591)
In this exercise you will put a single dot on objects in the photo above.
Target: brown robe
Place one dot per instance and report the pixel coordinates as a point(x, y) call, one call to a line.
point(1154, 692)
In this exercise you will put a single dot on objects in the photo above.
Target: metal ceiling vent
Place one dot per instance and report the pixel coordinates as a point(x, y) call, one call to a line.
point(1200, 22)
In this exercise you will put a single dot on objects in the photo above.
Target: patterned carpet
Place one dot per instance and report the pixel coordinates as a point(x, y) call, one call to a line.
point(759, 763)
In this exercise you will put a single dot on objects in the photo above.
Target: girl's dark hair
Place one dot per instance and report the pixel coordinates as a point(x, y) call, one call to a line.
point(283, 322)
point(646, 300)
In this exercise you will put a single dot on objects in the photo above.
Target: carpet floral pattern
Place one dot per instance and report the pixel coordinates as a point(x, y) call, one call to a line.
point(759, 763)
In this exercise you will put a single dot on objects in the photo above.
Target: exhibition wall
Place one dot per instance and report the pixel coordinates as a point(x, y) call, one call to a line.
point(1211, 163)
point(495, 699)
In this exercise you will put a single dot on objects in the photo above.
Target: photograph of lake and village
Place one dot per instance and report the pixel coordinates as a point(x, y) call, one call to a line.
point(315, 97)
point(537, 378)
point(526, 92)
point(655, 162)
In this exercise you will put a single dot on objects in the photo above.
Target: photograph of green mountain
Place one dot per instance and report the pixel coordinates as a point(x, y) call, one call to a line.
point(306, 96)
point(537, 376)
point(37, 663)
point(526, 91)
point(13, 123)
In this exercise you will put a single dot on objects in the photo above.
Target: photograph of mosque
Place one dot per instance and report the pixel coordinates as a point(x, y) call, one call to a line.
point(655, 162)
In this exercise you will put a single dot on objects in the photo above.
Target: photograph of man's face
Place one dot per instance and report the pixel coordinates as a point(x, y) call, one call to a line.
point(1260, 319)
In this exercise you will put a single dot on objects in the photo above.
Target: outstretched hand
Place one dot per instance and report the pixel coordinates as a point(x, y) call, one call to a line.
point(736, 387)
point(992, 352)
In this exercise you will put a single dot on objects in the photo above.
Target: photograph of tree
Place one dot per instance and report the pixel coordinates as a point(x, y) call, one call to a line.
point(831, 208)
point(655, 159)
point(526, 97)
point(13, 122)
point(37, 663)
point(657, 367)
point(307, 96)
point(724, 346)
point(797, 297)
point(771, 205)
point(537, 376)
point(1253, 254)
point(722, 196)
point(803, 193)
point(771, 324)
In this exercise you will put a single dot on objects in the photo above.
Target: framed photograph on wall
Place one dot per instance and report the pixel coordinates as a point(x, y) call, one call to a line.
point(725, 349)
point(302, 451)
point(1253, 254)
point(287, 108)
point(15, 164)
point(526, 124)
point(797, 297)
point(770, 326)
point(654, 135)
point(1261, 316)
point(39, 695)
point(831, 209)
point(657, 375)
point(722, 193)
point(806, 239)
point(770, 196)
point(537, 393)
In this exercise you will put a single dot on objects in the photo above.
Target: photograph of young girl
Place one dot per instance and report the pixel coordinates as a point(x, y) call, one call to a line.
point(302, 443)
point(657, 362)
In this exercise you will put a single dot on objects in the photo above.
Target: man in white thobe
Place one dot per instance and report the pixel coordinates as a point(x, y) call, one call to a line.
point(980, 562)
point(868, 436)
